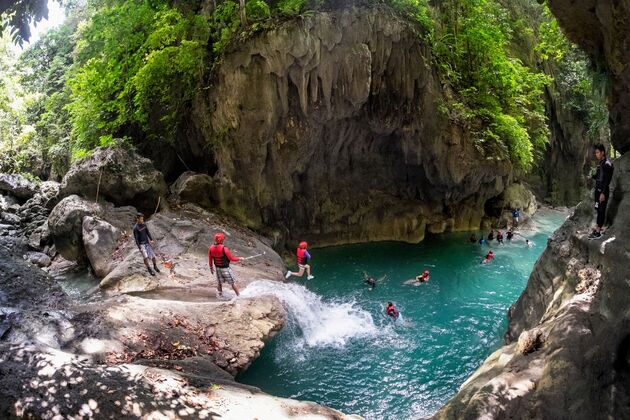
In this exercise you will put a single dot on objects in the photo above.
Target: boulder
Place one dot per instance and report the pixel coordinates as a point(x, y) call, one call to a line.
point(66, 225)
point(125, 178)
point(531, 340)
point(40, 237)
point(193, 188)
point(17, 185)
point(38, 258)
point(7, 202)
point(100, 239)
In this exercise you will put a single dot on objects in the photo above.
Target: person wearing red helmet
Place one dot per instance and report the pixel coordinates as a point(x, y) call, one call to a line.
point(219, 257)
point(424, 277)
point(488, 258)
point(303, 258)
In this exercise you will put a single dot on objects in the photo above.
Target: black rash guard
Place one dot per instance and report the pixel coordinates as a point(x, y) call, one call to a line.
point(141, 234)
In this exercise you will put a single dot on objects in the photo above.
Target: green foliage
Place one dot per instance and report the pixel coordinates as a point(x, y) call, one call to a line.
point(257, 10)
point(416, 10)
point(291, 7)
point(500, 97)
point(138, 63)
point(226, 23)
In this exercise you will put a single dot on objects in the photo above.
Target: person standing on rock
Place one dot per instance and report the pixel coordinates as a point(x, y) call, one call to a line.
point(144, 240)
point(219, 257)
point(516, 213)
point(602, 176)
point(303, 258)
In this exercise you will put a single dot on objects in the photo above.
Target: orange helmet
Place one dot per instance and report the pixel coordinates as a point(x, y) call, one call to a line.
point(219, 238)
point(303, 245)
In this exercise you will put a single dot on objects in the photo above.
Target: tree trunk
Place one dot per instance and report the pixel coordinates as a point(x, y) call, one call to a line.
point(243, 16)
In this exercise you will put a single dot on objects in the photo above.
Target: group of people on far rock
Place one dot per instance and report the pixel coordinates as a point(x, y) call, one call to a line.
point(219, 255)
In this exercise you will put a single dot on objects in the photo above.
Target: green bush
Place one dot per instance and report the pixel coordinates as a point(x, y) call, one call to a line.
point(515, 136)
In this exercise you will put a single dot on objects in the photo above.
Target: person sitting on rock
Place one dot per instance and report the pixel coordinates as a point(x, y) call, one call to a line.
point(424, 277)
point(303, 258)
point(491, 235)
point(391, 310)
point(509, 235)
point(488, 258)
point(144, 240)
point(602, 176)
point(499, 237)
point(219, 257)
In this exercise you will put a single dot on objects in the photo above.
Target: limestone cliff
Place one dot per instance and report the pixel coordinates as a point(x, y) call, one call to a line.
point(568, 340)
point(329, 125)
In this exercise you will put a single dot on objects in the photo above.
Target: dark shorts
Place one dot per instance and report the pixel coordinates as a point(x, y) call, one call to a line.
point(225, 275)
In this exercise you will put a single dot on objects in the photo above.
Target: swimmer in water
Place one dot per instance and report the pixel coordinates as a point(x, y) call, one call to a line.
point(424, 277)
point(500, 237)
point(391, 310)
point(529, 243)
point(369, 280)
point(488, 258)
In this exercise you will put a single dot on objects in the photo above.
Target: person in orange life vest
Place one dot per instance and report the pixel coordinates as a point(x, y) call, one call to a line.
point(391, 310)
point(303, 258)
point(423, 277)
point(488, 258)
point(219, 257)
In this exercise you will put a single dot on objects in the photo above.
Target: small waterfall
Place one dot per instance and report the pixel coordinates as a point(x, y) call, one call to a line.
point(319, 323)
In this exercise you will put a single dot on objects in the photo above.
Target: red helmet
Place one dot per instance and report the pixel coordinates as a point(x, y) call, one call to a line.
point(219, 238)
point(303, 245)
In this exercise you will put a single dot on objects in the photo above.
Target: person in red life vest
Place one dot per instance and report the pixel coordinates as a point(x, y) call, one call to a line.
point(391, 310)
point(488, 258)
point(424, 277)
point(303, 258)
point(219, 257)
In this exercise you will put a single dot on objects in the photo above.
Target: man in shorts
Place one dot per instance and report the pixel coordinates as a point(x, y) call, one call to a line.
point(144, 241)
point(219, 257)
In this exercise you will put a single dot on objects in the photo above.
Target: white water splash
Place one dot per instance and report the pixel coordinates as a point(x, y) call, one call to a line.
point(320, 323)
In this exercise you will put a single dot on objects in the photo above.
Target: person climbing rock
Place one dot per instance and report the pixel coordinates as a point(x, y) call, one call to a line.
point(473, 239)
point(144, 241)
point(491, 235)
point(424, 277)
point(499, 237)
point(219, 257)
point(303, 257)
point(509, 235)
point(391, 310)
point(516, 213)
point(489, 257)
point(602, 176)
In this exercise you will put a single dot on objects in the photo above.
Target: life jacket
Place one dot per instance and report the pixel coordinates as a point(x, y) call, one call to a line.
point(301, 256)
point(392, 311)
point(217, 252)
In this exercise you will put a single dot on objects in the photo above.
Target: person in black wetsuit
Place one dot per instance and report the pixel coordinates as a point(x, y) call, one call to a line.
point(603, 176)
point(473, 239)
point(491, 235)
point(143, 241)
point(509, 235)
point(369, 280)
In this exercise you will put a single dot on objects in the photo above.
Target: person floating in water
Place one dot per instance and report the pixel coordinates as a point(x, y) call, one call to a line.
point(499, 237)
point(473, 239)
point(483, 241)
point(303, 257)
point(516, 213)
point(424, 277)
point(509, 234)
point(391, 310)
point(529, 243)
point(491, 235)
point(371, 281)
point(488, 258)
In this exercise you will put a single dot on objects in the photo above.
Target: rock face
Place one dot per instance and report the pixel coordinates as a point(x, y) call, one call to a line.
point(193, 188)
point(329, 125)
point(126, 178)
point(602, 29)
point(568, 336)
